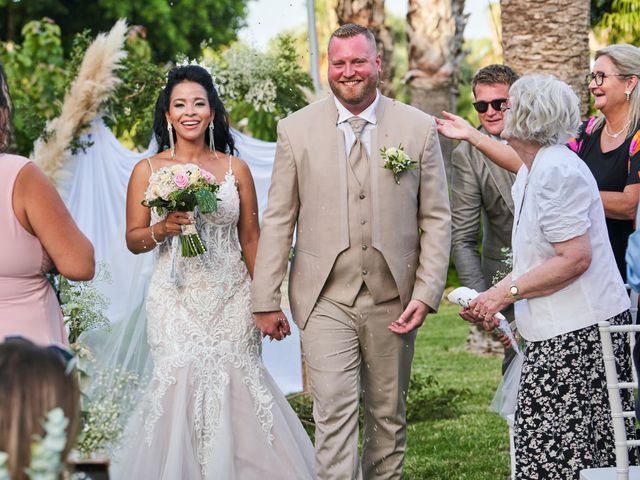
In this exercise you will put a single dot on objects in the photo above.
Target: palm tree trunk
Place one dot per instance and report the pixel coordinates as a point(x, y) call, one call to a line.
point(547, 36)
point(314, 53)
point(434, 31)
point(370, 13)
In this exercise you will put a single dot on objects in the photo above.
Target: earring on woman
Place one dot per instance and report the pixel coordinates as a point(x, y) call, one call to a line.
point(171, 143)
point(212, 144)
point(628, 94)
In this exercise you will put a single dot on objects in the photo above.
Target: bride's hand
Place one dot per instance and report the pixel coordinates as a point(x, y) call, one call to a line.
point(172, 225)
point(454, 127)
point(272, 324)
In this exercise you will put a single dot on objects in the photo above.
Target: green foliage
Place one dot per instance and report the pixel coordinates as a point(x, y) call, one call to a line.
point(452, 275)
point(39, 75)
point(130, 110)
point(260, 88)
point(302, 404)
point(429, 399)
point(471, 442)
point(620, 22)
point(396, 25)
point(598, 9)
point(37, 79)
point(172, 27)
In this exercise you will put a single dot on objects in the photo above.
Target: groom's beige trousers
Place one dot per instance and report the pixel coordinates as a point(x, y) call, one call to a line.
point(349, 350)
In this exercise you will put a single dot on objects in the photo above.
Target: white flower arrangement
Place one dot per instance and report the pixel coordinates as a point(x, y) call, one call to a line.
point(83, 306)
point(103, 411)
point(46, 453)
point(245, 74)
point(396, 160)
point(106, 396)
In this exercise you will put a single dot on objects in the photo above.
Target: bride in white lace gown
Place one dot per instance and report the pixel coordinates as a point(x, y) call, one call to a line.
point(211, 409)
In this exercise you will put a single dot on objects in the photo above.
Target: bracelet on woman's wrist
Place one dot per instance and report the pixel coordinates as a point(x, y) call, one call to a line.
point(482, 137)
point(153, 236)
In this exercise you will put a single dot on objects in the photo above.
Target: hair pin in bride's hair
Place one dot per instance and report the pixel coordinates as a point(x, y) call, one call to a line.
point(185, 62)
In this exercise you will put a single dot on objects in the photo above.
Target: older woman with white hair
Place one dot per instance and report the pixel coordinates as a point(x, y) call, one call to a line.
point(564, 281)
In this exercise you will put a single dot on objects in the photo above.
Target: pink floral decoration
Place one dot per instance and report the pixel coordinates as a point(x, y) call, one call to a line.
point(181, 180)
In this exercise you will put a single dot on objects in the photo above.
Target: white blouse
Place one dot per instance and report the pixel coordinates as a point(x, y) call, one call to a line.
point(554, 202)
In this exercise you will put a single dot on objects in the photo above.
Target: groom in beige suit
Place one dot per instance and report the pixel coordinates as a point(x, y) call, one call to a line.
point(371, 255)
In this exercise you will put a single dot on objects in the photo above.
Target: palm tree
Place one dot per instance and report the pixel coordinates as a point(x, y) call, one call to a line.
point(434, 31)
point(547, 36)
point(370, 13)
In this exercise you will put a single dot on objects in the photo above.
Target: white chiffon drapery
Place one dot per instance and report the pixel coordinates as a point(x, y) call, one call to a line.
point(94, 188)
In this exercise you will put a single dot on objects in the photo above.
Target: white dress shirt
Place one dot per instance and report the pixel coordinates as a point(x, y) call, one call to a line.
point(369, 114)
point(554, 202)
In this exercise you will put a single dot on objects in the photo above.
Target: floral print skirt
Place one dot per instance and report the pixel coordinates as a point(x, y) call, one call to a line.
point(563, 420)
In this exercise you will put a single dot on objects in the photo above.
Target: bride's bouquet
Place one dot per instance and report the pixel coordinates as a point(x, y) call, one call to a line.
point(182, 188)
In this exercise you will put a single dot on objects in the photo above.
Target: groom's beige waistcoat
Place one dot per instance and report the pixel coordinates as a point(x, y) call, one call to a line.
point(409, 221)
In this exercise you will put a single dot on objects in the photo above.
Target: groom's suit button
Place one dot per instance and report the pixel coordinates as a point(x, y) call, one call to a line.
point(364, 272)
point(362, 222)
point(364, 247)
point(362, 196)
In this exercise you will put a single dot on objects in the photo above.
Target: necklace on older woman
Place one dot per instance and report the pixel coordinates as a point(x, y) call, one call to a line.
point(616, 134)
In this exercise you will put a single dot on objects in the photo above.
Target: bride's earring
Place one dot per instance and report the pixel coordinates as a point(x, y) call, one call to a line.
point(171, 142)
point(212, 144)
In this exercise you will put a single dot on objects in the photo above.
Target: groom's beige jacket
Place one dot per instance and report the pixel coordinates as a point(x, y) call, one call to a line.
point(410, 221)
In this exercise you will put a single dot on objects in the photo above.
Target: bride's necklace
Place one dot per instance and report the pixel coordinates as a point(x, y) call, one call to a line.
point(616, 134)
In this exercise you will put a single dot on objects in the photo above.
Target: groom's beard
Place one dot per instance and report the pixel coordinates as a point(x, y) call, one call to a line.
point(355, 95)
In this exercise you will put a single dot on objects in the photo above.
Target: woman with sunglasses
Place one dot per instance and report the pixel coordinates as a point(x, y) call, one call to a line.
point(608, 144)
point(37, 234)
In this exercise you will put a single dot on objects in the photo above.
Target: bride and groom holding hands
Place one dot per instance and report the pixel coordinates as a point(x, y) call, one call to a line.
point(360, 178)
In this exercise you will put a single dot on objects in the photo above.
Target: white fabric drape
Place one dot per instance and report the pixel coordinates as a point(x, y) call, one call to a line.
point(94, 188)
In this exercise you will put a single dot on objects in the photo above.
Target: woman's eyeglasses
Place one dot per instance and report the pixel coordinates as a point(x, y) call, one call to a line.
point(600, 76)
point(482, 106)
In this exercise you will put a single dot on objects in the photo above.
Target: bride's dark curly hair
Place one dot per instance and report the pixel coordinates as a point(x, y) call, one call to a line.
point(5, 113)
point(193, 73)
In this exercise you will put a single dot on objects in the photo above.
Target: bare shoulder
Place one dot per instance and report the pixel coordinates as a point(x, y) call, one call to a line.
point(241, 170)
point(31, 176)
point(145, 166)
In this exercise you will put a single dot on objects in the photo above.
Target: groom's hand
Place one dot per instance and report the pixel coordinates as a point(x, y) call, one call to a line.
point(272, 324)
point(412, 317)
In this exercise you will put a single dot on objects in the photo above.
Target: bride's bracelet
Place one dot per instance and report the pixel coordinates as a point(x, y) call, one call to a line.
point(153, 236)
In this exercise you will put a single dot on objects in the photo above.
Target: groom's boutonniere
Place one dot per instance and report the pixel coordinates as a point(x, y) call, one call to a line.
point(397, 161)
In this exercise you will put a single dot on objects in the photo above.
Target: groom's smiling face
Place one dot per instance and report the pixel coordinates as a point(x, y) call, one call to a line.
point(354, 69)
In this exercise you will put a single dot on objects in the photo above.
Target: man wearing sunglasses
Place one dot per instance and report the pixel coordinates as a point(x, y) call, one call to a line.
point(481, 189)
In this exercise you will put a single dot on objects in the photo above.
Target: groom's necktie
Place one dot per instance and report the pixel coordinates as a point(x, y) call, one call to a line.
point(358, 158)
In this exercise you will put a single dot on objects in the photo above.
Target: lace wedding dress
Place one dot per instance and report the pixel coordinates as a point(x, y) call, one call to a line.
point(211, 410)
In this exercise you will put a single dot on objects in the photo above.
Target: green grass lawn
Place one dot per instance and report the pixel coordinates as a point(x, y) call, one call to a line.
point(452, 432)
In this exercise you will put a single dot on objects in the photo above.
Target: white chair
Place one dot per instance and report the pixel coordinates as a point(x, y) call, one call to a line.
point(512, 445)
point(621, 471)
